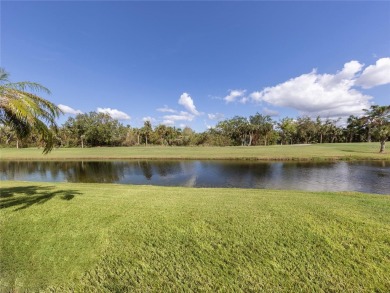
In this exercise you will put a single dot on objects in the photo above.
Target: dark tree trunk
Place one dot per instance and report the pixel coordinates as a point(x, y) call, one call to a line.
point(382, 149)
point(369, 135)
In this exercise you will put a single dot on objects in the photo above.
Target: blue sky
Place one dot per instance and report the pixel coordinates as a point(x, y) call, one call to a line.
point(192, 63)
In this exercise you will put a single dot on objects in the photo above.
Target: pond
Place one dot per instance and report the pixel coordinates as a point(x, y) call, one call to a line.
point(364, 176)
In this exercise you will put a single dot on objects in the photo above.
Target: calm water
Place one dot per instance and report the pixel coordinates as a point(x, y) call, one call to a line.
point(372, 177)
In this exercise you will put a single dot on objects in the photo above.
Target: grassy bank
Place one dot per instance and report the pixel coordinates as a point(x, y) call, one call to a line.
point(342, 151)
point(119, 238)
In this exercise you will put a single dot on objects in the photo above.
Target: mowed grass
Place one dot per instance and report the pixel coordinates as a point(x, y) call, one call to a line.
point(63, 237)
point(336, 151)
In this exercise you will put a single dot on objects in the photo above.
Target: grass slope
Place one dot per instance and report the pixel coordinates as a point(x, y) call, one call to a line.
point(344, 151)
point(120, 238)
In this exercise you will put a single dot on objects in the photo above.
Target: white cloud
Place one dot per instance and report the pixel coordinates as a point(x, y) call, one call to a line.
point(349, 70)
point(234, 95)
point(183, 116)
point(375, 75)
point(215, 97)
point(69, 110)
point(168, 122)
point(216, 116)
point(256, 96)
point(187, 102)
point(166, 109)
point(114, 113)
point(243, 100)
point(327, 95)
point(270, 112)
point(148, 118)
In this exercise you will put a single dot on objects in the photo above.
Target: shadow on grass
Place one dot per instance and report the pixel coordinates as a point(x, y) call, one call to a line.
point(23, 197)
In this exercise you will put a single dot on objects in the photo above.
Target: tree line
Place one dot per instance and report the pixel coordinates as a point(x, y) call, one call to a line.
point(26, 120)
point(100, 129)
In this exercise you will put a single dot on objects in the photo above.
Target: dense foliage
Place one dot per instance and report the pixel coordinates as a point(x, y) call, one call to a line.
point(99, 129)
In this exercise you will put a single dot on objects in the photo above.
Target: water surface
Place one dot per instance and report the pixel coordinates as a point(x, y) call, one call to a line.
point(364, 176)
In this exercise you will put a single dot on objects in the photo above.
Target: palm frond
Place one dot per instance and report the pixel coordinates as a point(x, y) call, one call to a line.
point(23, 111)
point(27, 85)
point(3, 75)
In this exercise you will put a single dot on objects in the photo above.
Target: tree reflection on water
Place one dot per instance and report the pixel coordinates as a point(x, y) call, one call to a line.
point(86, 171)
point(370, 176)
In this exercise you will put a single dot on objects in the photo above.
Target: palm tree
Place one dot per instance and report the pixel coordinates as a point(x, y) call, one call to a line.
point(23, 111)
point(146, 131)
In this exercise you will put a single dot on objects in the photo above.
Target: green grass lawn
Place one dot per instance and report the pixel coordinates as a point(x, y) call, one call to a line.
point(63, 237)
point(343, 151)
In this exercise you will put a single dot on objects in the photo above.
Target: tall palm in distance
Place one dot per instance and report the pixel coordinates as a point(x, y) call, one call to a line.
point(23, 110)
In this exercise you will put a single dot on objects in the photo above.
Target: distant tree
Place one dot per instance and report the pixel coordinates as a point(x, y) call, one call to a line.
point(377, 118)
point(130, 137)
point(74, 130)
point(214, 136)
point(202, 138)
point(306, 128)
point(161, 133)
point(327, 131)
point(137, 132)
point(8, 135)
point(236, 128)
point(354, 129)
point(94, 129)
point(223, 129)
point(146, 131)
point(23, 111)
point(333, 131)
point(173, 136)
point(262, 125)
point(188, 136)
point(321, 129)
point(288, 130)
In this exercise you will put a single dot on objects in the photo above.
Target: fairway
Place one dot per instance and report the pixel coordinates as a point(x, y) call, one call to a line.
point(114, 238)
point(336, 151)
